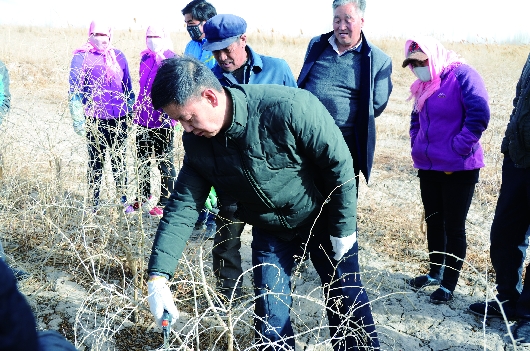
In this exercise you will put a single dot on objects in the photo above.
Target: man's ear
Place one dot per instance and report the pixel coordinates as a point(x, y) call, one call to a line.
point(211, 96)
point(243, 38)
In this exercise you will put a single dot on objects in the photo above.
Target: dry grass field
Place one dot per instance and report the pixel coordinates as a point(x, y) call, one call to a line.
point(87, 272)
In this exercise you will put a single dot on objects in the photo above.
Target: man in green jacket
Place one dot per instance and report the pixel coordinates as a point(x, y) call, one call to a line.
point(278, 152)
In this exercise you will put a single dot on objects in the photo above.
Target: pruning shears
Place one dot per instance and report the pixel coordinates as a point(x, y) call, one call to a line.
point(166, 328)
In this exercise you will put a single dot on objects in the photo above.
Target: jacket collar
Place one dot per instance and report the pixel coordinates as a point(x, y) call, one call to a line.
point(254, 61)
point(318, 47)
point(239, 111)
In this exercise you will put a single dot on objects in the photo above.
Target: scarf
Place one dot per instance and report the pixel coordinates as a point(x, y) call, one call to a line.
point(165, 44)
point(439, 59)
point(113, 69)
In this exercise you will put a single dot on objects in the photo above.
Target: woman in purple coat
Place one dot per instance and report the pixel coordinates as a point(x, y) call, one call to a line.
point(154, 136)
point(101, 97)
point(450, 114)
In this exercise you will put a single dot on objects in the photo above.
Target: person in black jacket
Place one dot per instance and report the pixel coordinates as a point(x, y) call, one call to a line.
point(17, 323)
point(510, 228)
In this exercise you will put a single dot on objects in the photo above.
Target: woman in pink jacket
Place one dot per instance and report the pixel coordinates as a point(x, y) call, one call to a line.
point(450, 113)
point(154, 136)
point(100, 99)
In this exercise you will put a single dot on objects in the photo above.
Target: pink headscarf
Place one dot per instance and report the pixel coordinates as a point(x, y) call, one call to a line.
point(114, 71)
point(439, 59)
point(165, 43)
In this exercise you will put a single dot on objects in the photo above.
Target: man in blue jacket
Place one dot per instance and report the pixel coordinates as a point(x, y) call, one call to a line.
point(351, 77)
point(196, 13)
point(237, 64)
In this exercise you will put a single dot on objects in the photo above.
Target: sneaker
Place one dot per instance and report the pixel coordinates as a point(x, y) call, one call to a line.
point(136, 205)
point(199, 226)
point(521, 332)
point(422, 281)
point(156, 212)
point(127, 208)
point(211, 229)
point(491, 309)
point(441, 296)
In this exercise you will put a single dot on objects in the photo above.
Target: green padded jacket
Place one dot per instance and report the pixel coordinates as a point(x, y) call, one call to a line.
point(282, 158)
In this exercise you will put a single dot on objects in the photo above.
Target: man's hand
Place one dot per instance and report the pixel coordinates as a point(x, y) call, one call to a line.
point(160, 299)
point(342, 245)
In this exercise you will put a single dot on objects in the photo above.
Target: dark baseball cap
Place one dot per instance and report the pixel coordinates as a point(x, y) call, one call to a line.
point(222, 30)
point(415, 54)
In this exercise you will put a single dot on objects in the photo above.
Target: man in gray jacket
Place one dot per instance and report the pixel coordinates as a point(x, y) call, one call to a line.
point(510, 228)
point(351, 77)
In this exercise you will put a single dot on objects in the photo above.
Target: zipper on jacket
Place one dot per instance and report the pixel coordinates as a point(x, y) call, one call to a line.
point(256, 188)
point(427, 132)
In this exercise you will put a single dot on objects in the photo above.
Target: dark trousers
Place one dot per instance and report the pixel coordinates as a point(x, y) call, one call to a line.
point(227, 242)
point(350, 142)
point(446, 206)
point(102, 136)
point(348, 308)
point(155, 143)
point(509, 238)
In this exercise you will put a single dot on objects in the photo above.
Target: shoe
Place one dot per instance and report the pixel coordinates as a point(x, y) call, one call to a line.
point(156, 212)
point(521, 332)
point(127, 208)
point(422, 281)
point(136, 205)
point(211, 229)
point(199, 226)
point(441, 296)
point(491, 309)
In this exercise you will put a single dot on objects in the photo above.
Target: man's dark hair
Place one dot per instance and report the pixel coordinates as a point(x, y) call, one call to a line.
point(179, 80)
point(200, 10)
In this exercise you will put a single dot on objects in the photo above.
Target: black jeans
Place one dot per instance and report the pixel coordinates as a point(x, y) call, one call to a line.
point(157, 143)
point(347, 303)
point(509, 238)
point(446, 206)
point(227, 242)
point(106, 135)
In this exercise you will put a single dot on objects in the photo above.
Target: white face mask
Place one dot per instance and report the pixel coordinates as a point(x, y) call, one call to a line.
point(154, 44)
point(100, 42)
point(422, 73)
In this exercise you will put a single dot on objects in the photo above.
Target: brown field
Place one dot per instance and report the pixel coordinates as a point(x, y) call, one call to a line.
point(87, 273)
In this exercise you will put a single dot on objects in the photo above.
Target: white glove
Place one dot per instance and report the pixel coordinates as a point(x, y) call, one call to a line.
point(160, 299)
point(342, 245)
